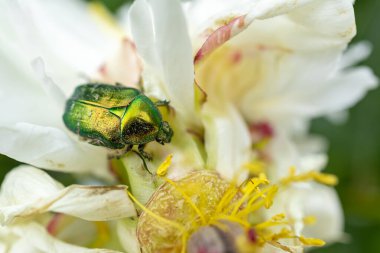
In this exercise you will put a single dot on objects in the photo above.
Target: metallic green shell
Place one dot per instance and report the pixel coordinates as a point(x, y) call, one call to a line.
point(112, 116)
point(141, 121)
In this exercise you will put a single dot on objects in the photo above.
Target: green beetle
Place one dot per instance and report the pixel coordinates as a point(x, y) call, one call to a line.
point(116, 117)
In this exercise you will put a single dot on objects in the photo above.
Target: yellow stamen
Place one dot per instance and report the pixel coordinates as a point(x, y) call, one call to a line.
point(280, 246)
point(283, 234)
point(270, 223)
point(248, 189)
point(311, 241)
point(235, 219)
point(184, 242)
point(270, 196)
point(157, 217)
point(163, 168)
point(188, 200)
point(255, 167)
point(254, 204)
point(279, 217)
point(227, 198)
point(320, 177)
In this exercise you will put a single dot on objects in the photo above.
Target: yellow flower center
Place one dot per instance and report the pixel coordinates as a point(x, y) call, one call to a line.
point(202, 199)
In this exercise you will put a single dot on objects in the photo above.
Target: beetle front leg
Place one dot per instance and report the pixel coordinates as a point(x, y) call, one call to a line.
point(143, 153)
point(162, 103)
point(166, 104)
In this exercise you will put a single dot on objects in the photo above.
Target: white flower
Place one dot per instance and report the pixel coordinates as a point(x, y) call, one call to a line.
point(268, 67)
point(28, 195)
point(278, 62)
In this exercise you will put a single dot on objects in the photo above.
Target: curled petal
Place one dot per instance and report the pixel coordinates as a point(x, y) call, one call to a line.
point(309, 20)
point(220, 36)
point(51, 148)
point(28, 191)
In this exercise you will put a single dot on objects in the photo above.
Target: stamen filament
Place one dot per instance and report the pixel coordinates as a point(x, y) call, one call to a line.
point(157, 217)
point(188, 200)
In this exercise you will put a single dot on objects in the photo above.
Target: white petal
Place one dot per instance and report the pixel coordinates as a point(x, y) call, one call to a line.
point(94, 203)
point(227, 140)
point(308, 92)
point(294, 25)
point(340, 92)
point(41, 241)
point(21, 96)
point(123, 67)
point(51, 88)
point(50, 148)
point(26, 183)
point(355, 54)
point(318, 23)
point(325, 205)
point(284, 60)
point(126, 231)
point(71, 45)
point(22, 245)
point(305, 152)
point(28, 191)
point(203, 13)
point(316, 200)
point(160, 32)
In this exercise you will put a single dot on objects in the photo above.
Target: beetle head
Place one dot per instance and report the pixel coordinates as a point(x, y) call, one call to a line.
point(165, 133)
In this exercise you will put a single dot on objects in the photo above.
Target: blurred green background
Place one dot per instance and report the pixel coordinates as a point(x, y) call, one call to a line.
point(354, 151)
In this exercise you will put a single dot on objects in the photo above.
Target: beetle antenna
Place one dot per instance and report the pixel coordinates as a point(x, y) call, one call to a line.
point(143, 160)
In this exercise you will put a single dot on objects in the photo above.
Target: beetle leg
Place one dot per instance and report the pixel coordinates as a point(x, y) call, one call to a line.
point(128, 148)
point(166, 104)
point(143, 153)
point(143, 161)
point(162, 103)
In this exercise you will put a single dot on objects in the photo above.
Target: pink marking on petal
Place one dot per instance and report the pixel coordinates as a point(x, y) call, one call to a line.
point(236, 57)
point(123, 67)
point(220, 36)
point(103, 70)
point(51, 227)
point(263, 129)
